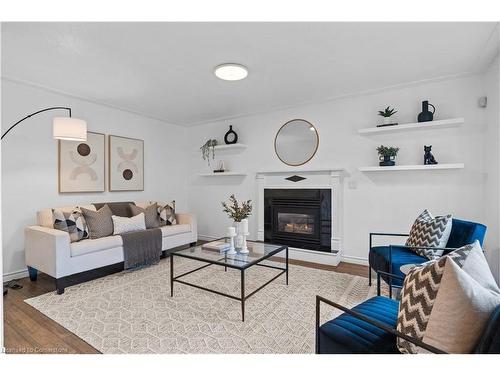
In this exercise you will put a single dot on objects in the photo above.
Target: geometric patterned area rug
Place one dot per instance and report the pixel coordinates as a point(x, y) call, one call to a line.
point(132, 312)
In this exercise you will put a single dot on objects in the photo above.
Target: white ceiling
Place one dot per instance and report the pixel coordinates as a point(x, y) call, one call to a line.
point(165, 70)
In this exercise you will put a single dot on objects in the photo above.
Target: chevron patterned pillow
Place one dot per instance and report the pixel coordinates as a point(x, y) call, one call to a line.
point(417, 298)
point(421, 286)
point(430, 231)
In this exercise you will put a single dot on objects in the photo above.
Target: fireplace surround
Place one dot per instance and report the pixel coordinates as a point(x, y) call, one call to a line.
point(331, 179)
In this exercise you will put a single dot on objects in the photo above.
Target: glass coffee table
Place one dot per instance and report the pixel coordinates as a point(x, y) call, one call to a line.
point(259, 252)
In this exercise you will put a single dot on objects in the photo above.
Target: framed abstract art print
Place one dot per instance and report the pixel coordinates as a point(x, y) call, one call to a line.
point(126, 164)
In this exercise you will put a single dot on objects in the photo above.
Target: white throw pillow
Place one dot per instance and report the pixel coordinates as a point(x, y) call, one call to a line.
point(128, 224)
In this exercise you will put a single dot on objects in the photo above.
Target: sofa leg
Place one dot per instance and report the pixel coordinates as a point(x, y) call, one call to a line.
point(369, 275)
point(59, 287)
point(33, 272)
point(192, 244)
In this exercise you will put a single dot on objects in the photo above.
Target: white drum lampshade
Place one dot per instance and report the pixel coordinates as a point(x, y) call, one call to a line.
point(70, 129)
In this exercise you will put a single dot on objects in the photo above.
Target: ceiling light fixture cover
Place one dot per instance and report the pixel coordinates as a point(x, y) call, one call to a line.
point(231, 72)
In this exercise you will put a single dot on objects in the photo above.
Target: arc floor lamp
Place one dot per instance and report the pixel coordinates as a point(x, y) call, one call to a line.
point(67, 128)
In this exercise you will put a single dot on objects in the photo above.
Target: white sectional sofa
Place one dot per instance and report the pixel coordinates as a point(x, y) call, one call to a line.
point(50, 251)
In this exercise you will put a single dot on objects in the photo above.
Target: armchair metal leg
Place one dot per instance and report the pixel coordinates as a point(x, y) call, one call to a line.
point(369, 265)
point(316, 349)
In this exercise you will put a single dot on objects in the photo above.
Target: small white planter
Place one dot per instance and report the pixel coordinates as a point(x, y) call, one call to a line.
point(387, 120)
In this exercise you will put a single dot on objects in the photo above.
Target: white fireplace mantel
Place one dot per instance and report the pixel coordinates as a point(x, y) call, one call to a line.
point(330, 178)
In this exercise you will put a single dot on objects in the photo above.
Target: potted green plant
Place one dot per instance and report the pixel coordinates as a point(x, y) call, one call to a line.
point(206, 148)
point(387, 155)
point(386, 114)
point(239, 212)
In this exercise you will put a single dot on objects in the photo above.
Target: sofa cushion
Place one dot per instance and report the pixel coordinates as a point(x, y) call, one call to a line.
point(167, 214)
point(99, 222)
point(128, 224)
point(347, 334)
point(44, 218)
point(421, 289)
point(91, 246)
point(170, 230)
point(430, 231)
point(150, 213)
point(117, 208)
point(379, 260)
point(461, 310)
point(71, 222)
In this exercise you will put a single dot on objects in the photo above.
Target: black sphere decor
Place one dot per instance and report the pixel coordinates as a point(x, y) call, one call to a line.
point(231, 137)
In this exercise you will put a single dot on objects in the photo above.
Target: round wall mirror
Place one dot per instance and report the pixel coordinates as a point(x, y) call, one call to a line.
point(296, 142)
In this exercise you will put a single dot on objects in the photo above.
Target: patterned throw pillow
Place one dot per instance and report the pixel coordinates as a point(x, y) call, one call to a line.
point(123, 224)
point(460, 312)
point(99, 222)
point(167, 214)
point(417, 297)
point(430, 231)
point(72, 222)
point(151, 215)
point(421, 287)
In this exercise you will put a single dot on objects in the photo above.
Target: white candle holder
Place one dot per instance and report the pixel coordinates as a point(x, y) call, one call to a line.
point(231, 233)
point(244, 249)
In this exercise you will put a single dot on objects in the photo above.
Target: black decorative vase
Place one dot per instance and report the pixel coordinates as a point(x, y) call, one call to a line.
point(231, 137)
point(386, 161)
point(426, 115)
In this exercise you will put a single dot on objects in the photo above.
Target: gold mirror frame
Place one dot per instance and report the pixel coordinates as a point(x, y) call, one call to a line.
point(276, 137)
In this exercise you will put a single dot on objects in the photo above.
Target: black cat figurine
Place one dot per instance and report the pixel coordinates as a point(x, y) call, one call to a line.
point(428, 157)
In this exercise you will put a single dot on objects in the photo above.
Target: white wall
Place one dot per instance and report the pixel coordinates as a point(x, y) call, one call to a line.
point(387, 201)
point(491, 150)
point(381, 202)
point(29, 156)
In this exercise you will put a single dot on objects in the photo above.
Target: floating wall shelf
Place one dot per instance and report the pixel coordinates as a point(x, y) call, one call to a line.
point(412, 167)
point(222, 174)
point(438, 124)
point(235, 146)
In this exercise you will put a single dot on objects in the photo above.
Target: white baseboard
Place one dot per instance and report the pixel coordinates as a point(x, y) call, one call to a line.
point(354, 260)
point(15, 275)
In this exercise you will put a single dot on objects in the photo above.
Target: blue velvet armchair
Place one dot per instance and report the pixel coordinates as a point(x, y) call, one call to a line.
point(390, 258)
point(370, 328)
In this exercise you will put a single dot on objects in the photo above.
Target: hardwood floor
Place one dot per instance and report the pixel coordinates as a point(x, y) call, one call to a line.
point(29, 331)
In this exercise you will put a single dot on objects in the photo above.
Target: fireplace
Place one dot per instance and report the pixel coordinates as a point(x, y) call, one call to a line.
point(296, 223)
point(299, 218)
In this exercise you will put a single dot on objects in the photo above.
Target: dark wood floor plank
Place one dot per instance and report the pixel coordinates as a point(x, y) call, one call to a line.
point(29, 331)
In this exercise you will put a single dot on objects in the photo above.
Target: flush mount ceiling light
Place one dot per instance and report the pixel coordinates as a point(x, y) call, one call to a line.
point(231, 72)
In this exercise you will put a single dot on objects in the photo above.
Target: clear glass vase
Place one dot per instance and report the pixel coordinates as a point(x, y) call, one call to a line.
point(238, 240)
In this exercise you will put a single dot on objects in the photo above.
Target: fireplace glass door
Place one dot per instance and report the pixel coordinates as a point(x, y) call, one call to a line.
point(296, 223)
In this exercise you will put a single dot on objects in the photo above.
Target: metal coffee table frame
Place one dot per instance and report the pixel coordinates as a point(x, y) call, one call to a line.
point(222, 262)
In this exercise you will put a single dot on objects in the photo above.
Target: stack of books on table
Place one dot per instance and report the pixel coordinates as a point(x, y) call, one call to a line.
point(217, 245)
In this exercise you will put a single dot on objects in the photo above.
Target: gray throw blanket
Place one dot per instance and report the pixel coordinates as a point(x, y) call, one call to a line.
point(141, 248)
